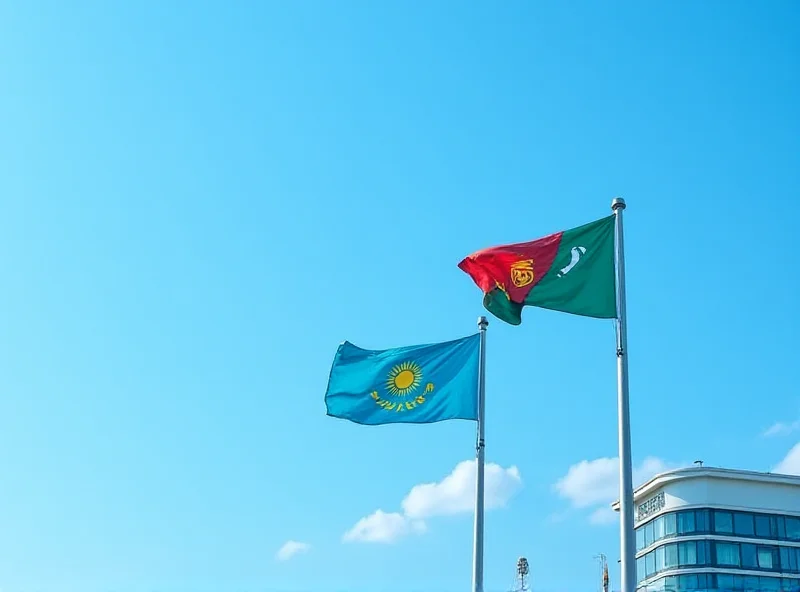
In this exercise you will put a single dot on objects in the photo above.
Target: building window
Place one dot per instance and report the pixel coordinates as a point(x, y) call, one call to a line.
point(686, 522)
point(660, 563)
point(672, 555)
point(670, 524)
point(702, 519)
point(639, 539)
point(687, 553)
point(725, 582)
point(658, 528)
point(793, 528)
point(703, 552)
point(770, 583)
point(749, 558)
point(764, 528)
point(743, 524)
point(648, 534)
point(689, 582)
point(781, 524)
point(728, 554)
point(751, 583)
point(723, 522)
point(766, 558)
point(707, 582)
point(790, 584)
point(670, 583)
point(788, 559)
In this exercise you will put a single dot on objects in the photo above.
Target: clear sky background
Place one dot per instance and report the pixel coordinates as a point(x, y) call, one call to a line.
point(200, 200)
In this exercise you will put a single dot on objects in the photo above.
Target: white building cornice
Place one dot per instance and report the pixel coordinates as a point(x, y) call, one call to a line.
point(675, 475)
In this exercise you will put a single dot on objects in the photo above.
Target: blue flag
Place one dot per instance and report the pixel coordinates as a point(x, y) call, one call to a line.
point(415, 384)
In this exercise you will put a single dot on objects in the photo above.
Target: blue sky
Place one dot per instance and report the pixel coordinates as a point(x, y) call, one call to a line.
point(201, 200)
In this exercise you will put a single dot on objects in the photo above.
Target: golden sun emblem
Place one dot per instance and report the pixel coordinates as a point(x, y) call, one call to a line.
point(522, 273)
point(403, 378)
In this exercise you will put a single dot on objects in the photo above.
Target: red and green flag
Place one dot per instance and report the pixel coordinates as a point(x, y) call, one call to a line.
point(570, 271)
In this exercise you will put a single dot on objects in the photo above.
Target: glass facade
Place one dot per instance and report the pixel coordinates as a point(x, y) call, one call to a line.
point(703, 582)
point(740, 524)
point(767, 555)
point(710, 553)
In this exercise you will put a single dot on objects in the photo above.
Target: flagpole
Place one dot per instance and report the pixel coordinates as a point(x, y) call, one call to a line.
point(626, 534)
point(477, 556)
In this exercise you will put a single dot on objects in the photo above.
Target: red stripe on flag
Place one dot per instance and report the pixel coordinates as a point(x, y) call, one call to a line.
point(515, 269)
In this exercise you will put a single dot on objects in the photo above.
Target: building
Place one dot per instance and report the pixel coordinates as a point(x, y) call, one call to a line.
point(704, 528)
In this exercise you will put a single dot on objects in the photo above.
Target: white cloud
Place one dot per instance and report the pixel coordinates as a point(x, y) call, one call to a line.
point(590, 482)
point(781, 429)
point(595, 482)
point(790, 465)
point(454, 494)
point(383, 527)
point(290, 549)
point(604, 515)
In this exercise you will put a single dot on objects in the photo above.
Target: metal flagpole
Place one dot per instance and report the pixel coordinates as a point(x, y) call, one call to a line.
point(477, 556)
point(626, 533)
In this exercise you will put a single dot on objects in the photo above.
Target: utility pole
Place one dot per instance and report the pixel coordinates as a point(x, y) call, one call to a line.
point(601, 558)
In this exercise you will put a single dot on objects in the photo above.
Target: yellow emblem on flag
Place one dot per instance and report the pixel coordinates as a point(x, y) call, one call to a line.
point(404, 378)
point(402, 381)
point(522, 273)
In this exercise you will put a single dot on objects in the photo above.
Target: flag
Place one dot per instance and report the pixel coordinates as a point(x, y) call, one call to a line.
point(414, 384)
point(570, 271)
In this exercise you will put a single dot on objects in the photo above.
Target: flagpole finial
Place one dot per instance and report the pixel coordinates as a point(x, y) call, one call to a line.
point(482, 323)
point(617, 204)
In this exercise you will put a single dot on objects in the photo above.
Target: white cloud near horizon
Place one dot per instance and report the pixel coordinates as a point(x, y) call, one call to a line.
point(781, 429)
point(454, 494)
point(383, 527)
point(790, 465)
point(290, 549)
point(592, 483)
